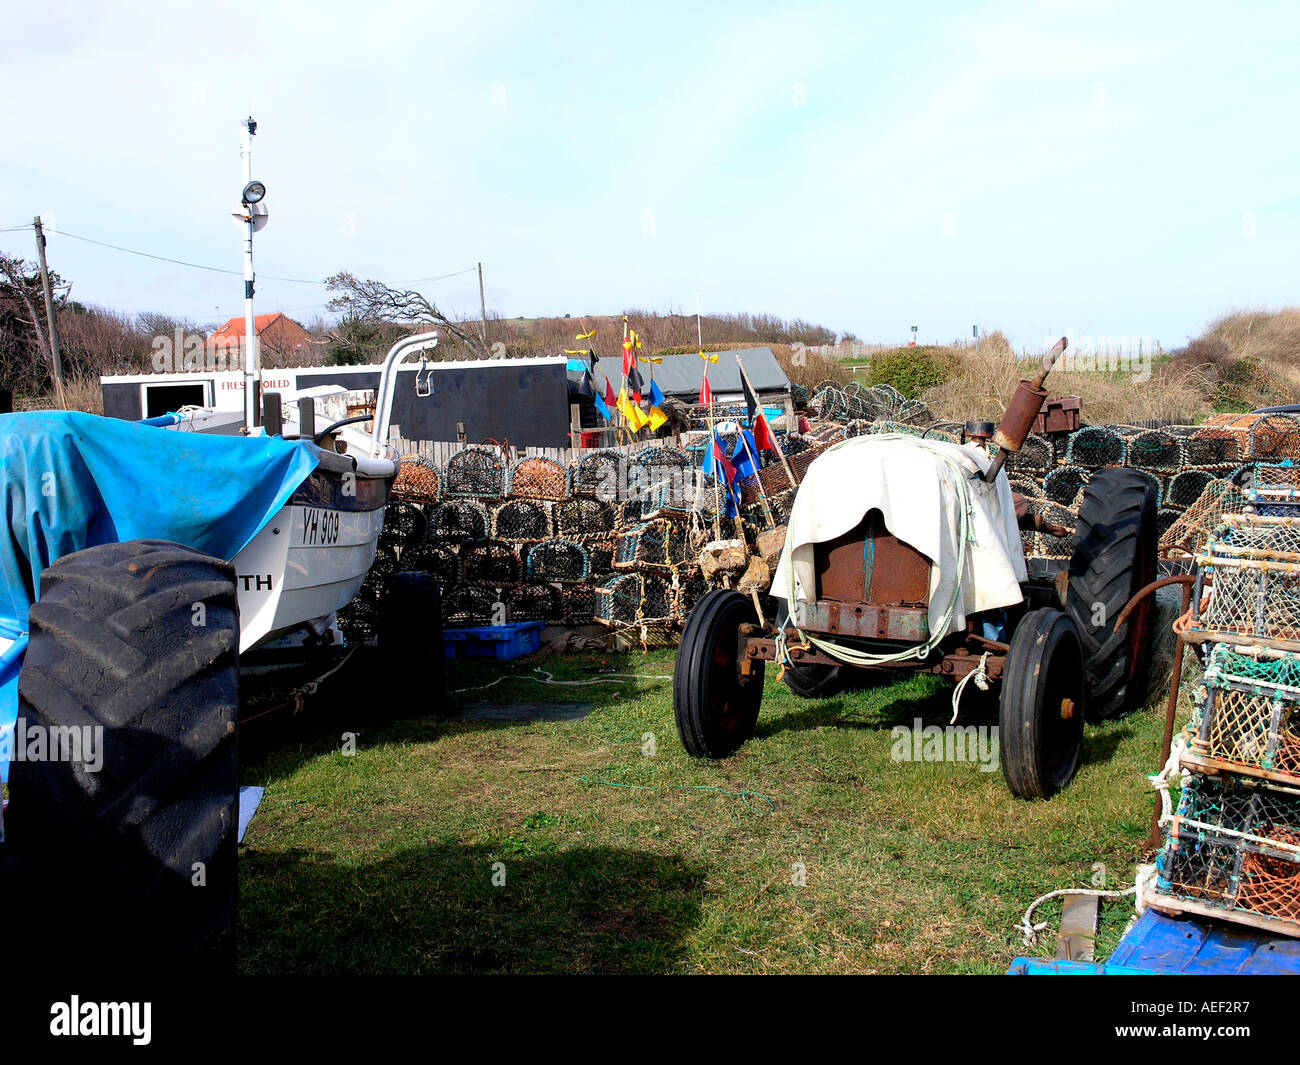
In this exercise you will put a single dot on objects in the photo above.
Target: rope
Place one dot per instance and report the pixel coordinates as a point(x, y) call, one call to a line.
point(1030, 930)
point(299, 695)
point(549, 678)
point(980, 675)
point(966, 536)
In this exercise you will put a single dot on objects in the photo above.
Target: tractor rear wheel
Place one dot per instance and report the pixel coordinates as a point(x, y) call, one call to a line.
point(134, 648)
point(814, 681)
point(1040, 720)
point(714, 704)
point(1115, 546)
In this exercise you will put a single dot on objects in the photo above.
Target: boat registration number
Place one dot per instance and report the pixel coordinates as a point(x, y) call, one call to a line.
point(320, 526)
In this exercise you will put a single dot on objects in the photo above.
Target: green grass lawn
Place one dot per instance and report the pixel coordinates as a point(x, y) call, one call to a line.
point(383, 860)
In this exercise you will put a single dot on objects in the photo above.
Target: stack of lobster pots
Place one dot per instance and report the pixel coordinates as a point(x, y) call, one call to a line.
point(1232, 834)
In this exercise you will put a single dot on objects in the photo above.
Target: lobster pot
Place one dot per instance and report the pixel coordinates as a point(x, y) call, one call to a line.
point(1262, 436)
point(1095, 446)
point(383, 567)
point(949, 431)
point(1026, 486)
point(440, 560)
point(1275, 475)
point(799, 397)
point(1255, 587)
point(1189, 533)
point(627, 513)
point(1045, 545)
point(404, 524)
point(1165, 519)
point(458, 520)
point(1231, 848)
point(1184, 489)
point(600, 556)
point(914, 412)
point(418, 481)
point(533, 602)
point(359, 620)
point(558, 560)
point(658, 597)
point(583, 516)
point(490, 562)
point(601, 474)
point(1034, 457)
point(794, 443)
point(618, 600)
point(655, 466)
point(538, 478)
point(1053, 512)
point(692, 492)
point(1155, 449)
point(1063, 484)
point(477, 471)
point(1274, 490)
point(579, 603)
point(690, 590)
point(523, 519)
point(470, 604)
point(1211, 447)
point(659, 543)
point(1245, 711)
point(858, 427)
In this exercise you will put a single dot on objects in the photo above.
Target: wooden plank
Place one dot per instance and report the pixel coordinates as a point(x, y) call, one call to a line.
point(1276, 925)
point(1078, 937)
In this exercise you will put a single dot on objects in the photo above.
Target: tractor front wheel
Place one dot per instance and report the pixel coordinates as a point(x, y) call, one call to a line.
point(714, 704)
point(1041, 712)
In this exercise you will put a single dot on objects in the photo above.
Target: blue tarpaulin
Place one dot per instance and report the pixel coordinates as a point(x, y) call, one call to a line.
point(75, 480)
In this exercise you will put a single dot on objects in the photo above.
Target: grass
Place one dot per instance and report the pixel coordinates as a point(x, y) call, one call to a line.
point(383, 861)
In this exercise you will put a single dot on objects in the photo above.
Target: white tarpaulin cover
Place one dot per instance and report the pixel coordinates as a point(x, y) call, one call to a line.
point(918, 493)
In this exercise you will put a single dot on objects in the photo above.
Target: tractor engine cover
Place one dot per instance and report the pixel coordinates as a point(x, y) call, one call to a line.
point(878, 533)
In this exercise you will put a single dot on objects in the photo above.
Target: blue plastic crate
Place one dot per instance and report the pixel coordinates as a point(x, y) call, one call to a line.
point(502, 642)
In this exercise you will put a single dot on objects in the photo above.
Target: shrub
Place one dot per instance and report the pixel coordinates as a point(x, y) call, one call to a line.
point(911, 370)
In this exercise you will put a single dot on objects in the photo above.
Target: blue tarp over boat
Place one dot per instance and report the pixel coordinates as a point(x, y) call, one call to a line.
point(75, 480)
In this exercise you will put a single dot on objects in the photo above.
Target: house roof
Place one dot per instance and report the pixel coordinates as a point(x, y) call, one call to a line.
point(680, 375)
point(235, 327)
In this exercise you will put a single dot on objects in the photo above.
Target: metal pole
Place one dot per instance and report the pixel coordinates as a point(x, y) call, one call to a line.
point(482, 302)
point(252, 365)
point(56, 357)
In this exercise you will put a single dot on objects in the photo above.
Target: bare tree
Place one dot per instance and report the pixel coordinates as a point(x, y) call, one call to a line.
point(374, 302)
point(20, 290)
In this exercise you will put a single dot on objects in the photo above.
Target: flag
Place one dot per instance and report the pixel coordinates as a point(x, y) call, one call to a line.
point(656, 395)
point(716, 464)
point(611, 400)
point(741, 461)
point(601, 406)
point(651, 358)
point(635, 418)
point(585, 336)
point(629, 342)
point(763, 435)
point(657, 416)
point(706, 393)
point(709, 358)
point(635, 383)
point(585, 386)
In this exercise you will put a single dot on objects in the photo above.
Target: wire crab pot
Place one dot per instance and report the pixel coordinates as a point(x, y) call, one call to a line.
point(1155, 449)
point(1064, 483)
point(692, 492)
point(617, 601)
point(538, 478)
point(578, 603)
point(477, 471)
point(1254, 579)
point(440, 560)
point(950, 431)
point(558, 560)
point(601, 474)
point(1094, 447)
point(418, 481)
point(1033, 458)
point(1262, 436)
point(471, 604)
point(1026, 485)
point(1232, 848)
point(1184, 489)
point(404, 524)
point(533, 602)
point(1245, 712)
point(523, 520)
point(601, 557)
point(490, 562)
point(458, 520)
point(659, 544)
point(1187, 536)
point(655, 465)
point(1211, 447)
point(583, 516)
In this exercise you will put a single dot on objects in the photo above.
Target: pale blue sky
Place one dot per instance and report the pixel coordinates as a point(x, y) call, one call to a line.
point(1094, 168)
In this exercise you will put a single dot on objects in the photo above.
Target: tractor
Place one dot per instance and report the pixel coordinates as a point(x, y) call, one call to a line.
point(904, 554)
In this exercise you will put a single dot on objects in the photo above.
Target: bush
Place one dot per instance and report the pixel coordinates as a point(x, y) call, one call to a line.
point(911, 370)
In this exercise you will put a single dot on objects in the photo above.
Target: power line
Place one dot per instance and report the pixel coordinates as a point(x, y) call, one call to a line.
point(182, 262)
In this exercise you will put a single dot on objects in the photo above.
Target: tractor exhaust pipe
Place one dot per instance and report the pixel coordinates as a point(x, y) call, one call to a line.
point(1021, 412)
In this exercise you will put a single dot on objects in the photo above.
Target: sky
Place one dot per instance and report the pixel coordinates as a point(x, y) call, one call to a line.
point(1092, 169)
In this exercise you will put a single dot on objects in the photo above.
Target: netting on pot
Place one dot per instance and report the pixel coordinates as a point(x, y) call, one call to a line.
point(441, 560)
point(600, 554)
point(656, 465)
point(951, 432)
point(538, 478)
point(359, 621)
point(490, 562)
point(1155, 449)
point(1165, 519)
point(583, 516)
point(1025, 485)
point(857, 427)
point(617, 601)
point(1053, 512)
point(659, 543)
point(1188, 535)
point(523, 519)
point(477, 470)
point(692, 492)
point(404, 523)
point(799, 397)
point(1185, 488)
point(1245, 711)
point(1095, 446)
point(533, 602)
point(1274, 436)
point(794, 443)
point(1064, 483)
point(690, 590)
point(601, 474)
point(457, 520)
point(383, 567)
point(1034, 456)
point(578, 603)
point(470, 604)
point(558, 560)
point(914, 412)
point(1210, 446)
point(418, 481)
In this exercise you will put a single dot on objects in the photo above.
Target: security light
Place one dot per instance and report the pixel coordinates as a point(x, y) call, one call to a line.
point(253, 192)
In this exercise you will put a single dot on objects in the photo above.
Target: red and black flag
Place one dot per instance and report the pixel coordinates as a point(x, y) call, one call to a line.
point(764, 438)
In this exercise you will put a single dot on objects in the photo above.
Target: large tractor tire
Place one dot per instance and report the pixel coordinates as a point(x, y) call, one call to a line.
point(410, 637)
point(135, 859)
point(1040, 719)
point(815, 681)
point(1115, 547)
point(714, 704)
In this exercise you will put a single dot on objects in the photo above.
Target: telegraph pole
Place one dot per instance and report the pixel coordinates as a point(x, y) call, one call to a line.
point(248, 128)
point(482, 302)
point(56, 356)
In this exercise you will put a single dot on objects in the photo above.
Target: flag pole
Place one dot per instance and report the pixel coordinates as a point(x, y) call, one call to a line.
point(762, 495)
point(779, 453)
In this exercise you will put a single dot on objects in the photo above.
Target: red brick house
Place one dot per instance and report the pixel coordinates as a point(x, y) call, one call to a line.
point(279, 334)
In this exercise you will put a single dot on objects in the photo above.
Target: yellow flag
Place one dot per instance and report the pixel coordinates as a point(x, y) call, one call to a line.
point(651, 358)
point(585, 336)
point(657, 418)
point(709, 358)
